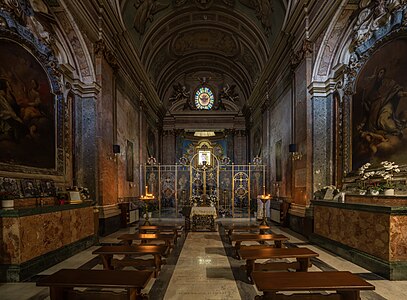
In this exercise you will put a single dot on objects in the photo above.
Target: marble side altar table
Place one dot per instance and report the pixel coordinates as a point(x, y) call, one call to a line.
point(370, 231)
point(203, 217)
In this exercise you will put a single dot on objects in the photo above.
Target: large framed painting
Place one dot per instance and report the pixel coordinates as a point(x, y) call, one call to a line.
point(129, 161)
point(379, 107)
point(27, 109)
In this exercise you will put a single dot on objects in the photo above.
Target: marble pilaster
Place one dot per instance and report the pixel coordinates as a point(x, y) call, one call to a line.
point(86, 169)
point(322, 141)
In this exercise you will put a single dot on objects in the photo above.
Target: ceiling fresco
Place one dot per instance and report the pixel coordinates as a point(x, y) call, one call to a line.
point(178, 38)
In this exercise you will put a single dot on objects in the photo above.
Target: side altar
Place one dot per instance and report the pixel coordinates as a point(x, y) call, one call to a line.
point(370, 231)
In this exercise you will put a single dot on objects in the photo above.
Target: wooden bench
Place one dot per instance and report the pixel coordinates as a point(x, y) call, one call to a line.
point(260, 229)
point(302, 256)
point(252, 237)
point(253, 228)
point(157, 251)
point(176, 229)
point(168, 238)
point(346, 285)
point(63, 282)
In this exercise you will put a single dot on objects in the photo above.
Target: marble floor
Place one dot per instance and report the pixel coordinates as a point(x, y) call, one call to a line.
point(202, 266)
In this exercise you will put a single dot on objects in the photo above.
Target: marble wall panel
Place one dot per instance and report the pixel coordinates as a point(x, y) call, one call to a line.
point(10, 244)
point(398, 238)
point(127, 129)
point(301, 104)
point(280, 129)
point(107, 163)
point(322, 132)
point(28, 237)
point(366, 231)
point(85, 144)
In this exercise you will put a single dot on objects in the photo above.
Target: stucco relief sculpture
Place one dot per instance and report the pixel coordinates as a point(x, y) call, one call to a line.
point(211, 39)
point(372, 16)
point(180, 93)
point(202, 4)
point(145, 11)
point(263, 12)
point(228, 93)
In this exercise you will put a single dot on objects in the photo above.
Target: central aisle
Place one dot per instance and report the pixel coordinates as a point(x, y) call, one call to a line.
point(203, 270)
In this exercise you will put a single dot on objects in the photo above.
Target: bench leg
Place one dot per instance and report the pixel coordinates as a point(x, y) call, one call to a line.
point(107, 261)
point(304, 263)
point(237, 248)
point(58, 293)
point(349, 295)
point(157, 262)
point(249, 269)
point(134, 294)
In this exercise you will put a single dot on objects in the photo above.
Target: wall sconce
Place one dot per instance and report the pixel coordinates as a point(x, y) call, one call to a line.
point(116, 152)
point(116, 149)
point(292, 148)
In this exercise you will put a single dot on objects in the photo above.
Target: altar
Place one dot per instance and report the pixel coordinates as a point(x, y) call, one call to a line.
point(203, 217)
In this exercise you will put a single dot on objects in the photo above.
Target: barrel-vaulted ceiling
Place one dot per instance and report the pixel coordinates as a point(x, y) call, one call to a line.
point(229, 40)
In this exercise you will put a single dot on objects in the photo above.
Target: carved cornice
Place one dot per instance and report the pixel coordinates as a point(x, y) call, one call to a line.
point(298, 57)
point(102, 49)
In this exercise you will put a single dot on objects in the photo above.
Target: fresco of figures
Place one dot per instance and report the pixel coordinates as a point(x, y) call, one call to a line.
point(27, 122)
point(379, 113)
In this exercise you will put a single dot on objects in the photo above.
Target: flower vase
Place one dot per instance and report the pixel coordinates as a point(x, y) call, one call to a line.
point(7, 204)
point(374, 192)
point(389, 192)
point(362, 192)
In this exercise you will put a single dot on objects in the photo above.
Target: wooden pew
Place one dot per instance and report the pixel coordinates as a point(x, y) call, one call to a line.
point(261, 229)
point(168, 238)
point(176, 229)
point(346, 285)
point(157, 251)
point(302, 256)
point(252, 237)
point(63, 282)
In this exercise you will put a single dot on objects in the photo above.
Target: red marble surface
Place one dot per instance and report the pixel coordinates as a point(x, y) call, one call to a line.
point(366, 231)
point(28, 237)
point(398, 238)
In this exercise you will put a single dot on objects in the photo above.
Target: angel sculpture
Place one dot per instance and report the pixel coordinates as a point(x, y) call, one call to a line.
point(180, 92)
point(228, 93)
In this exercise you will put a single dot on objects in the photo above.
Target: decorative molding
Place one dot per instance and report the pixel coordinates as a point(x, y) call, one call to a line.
point(194, 40)
point(375, 20)
point(145, 11)
point(102, 49)
point(298, 57)
point(263, 11)
point(201, 4)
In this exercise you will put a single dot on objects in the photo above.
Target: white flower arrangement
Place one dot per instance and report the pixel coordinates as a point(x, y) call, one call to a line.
point(365, 175)
point(390, 168)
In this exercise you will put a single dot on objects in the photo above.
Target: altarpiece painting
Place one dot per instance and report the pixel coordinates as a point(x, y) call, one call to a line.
point(379, 107)
point(27, 116)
